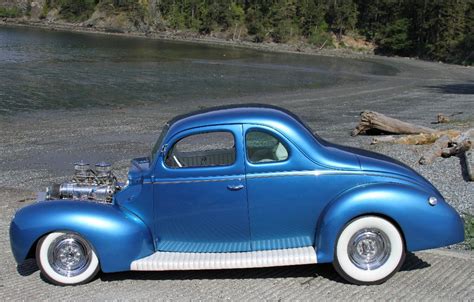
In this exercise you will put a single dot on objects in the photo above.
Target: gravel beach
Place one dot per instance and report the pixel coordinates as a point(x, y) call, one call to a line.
point(37, 148)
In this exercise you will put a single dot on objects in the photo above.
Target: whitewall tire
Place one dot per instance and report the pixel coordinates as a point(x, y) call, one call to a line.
point(66, 258)
point(369, 250)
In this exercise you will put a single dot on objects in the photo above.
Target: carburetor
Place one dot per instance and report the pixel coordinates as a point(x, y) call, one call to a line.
point(87, 184)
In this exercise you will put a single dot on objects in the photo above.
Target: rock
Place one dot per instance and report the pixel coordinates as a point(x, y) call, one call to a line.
point(52, 15)
point(36, 9)
point(96, 18)
point(110, 22)
point(357, 43)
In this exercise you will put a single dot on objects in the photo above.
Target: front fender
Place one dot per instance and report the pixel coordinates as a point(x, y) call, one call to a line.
point(422, 225)
point(118, 236)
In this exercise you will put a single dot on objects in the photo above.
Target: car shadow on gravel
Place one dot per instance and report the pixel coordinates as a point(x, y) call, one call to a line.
point(326, 271)
point(321, 270)
point(465, 88)
point(465, 173)
point(27, 268)
point(413, 262)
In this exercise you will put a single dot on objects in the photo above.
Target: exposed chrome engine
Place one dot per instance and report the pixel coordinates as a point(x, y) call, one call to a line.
point(97, 184)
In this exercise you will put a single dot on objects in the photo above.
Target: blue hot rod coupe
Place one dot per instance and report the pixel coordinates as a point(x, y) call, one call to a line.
point(236, 187)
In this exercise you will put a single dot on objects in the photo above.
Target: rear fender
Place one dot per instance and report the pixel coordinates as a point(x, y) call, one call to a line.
point(118, 236)
point(423, 226)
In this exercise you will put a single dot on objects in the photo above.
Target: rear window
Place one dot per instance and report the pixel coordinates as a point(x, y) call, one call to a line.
point(263, 147)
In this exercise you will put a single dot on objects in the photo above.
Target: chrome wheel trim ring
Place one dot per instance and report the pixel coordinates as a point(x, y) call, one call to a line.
point(69, 255)
point(369, 249)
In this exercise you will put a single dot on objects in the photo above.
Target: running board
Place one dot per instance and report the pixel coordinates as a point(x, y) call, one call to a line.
point(170, 261)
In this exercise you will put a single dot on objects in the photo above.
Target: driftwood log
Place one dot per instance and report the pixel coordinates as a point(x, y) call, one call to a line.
point(442, 118)
point(370, 120)
point(436, 150)
point(468, 158)
point(445, 143)
point(416, 139)
point(461, 144)
point(449, 143)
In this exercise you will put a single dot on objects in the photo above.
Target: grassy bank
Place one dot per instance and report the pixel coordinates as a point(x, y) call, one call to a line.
point(10, 12)
point(469, 230)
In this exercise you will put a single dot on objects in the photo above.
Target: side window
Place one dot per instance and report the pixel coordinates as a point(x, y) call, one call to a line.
point(202, 150)
point(263, 147)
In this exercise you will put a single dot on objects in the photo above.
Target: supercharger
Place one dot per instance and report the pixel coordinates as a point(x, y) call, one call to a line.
point(97, 184)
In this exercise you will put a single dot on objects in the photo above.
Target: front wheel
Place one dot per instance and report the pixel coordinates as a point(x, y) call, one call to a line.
point(369, 250)
point(66, 259)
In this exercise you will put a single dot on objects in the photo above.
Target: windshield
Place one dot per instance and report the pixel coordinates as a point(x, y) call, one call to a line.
point(158, 143)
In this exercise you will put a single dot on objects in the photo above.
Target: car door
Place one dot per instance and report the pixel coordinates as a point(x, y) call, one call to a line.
point(282, 191)
point(200, 193)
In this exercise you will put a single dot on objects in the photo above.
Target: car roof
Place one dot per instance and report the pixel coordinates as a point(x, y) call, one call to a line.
point(262, 114)
point(282, 120)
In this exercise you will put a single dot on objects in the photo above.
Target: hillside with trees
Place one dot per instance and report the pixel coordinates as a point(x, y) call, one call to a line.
point(434, 30)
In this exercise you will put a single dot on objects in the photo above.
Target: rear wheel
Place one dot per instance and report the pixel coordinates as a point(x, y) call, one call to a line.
point(369, 250)
point(66, 258)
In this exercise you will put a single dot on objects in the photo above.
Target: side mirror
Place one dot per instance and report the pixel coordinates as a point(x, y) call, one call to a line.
point(163, 149)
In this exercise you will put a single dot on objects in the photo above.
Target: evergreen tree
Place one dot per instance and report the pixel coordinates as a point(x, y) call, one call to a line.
point(394, 38)
point(342, 15)
point(311, 15)
point(431, 29)
point(282, 16)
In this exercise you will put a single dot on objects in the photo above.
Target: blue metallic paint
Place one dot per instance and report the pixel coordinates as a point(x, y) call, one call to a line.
point(423, 226)
point(314, 149)
point(136, 200)
point(287, 217)
point(117, 236)
point(305, 200)
point(284, 208)
point(195, 211)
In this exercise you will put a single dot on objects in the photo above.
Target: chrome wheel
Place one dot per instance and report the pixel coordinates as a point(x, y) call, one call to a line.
point(69, 255)
point(66, 258)
point(369, 249)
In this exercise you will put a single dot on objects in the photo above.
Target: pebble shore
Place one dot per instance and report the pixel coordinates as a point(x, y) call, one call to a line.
point(37, 148)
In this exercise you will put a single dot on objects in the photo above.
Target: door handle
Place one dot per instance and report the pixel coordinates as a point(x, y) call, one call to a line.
point(235, 187)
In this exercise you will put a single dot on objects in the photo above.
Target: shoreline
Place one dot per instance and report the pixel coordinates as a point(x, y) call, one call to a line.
point(190, 37)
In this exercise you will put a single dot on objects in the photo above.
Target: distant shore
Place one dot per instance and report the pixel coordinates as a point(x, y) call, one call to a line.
point(186, 36)
point(191, 37)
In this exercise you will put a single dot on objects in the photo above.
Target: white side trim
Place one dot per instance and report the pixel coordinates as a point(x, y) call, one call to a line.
point(261, 175)
point(167, 261)
point(303, 173)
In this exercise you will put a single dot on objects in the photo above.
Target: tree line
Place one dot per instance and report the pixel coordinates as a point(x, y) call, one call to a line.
point(440, 30)
point(431, 29)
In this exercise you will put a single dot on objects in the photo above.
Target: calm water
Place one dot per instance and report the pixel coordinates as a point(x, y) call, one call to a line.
point(48, 70)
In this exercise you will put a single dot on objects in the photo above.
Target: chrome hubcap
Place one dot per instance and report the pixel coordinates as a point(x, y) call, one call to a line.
point(369, 249)
point(69, 255)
